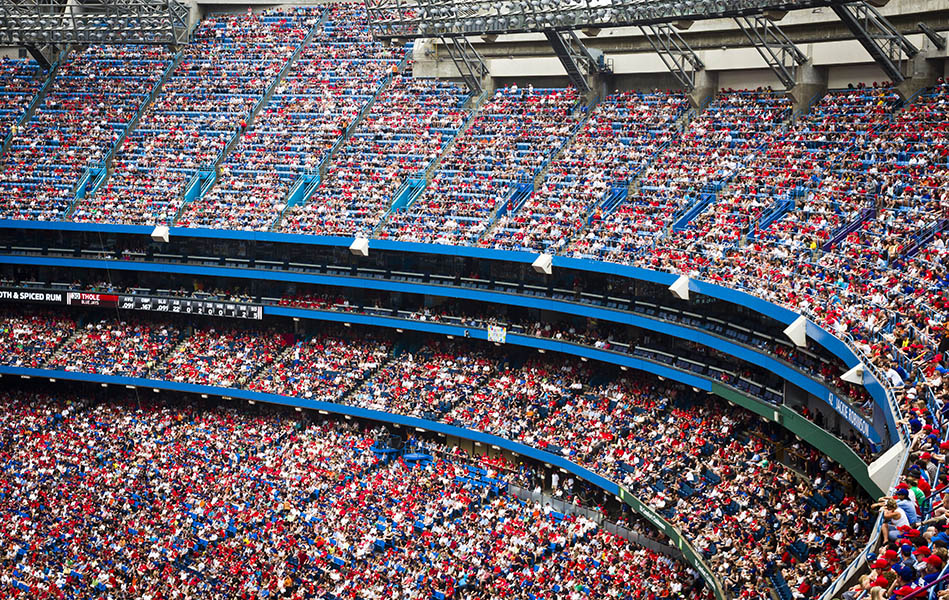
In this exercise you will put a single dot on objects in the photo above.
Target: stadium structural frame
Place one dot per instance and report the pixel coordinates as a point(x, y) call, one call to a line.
point(777, 50)
point(675, 53)
point(38, 23)
point(889, 48)
point(449, 18)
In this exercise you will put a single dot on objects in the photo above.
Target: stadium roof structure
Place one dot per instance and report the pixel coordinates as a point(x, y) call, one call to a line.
point(39, 23)
point(558, 20)
point(448, 18)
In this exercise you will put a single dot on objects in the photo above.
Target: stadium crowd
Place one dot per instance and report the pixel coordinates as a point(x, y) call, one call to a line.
point(20, 80)
point(840, 214)
point(620, 139)
point(405, 129)
point(96, 95)
point(29, 340)
point(116, 497)
point(584, 331)
point(326, 88)
point(512, 137)
point(220, 78)
point(110, 348)
point(225, 358)
point(711, 151)
point(693, 461)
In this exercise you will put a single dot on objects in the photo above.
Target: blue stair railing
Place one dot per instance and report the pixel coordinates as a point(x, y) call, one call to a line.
point(197, 187)
point(616, 195)
point(842, 232)
point(924, 237)
point(694, 209)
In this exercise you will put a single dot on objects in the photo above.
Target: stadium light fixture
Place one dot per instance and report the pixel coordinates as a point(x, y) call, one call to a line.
point(37, 23)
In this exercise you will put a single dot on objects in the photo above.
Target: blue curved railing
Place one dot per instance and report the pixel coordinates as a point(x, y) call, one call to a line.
point(726, 294)
point(790, 374)
point(743, 353)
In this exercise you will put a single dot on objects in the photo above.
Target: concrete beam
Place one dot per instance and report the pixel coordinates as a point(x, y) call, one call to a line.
point(810, 82)
point(924, 69)
point(706, 85)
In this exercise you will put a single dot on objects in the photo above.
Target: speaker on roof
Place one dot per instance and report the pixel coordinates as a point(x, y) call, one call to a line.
point(360, 247)
point(680, 288)
point(854, 375)
point(797, 331)
point(544, 263)
point(160, 234)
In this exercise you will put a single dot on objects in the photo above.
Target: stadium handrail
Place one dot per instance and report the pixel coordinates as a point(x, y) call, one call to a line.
point(784, 370)
point(728, 294)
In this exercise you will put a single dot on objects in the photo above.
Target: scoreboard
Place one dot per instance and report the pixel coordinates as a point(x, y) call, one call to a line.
point(185, 306)
point(137, 302)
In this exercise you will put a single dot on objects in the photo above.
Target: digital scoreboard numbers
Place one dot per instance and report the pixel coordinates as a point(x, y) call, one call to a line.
point(189, 306)
point(186, 306)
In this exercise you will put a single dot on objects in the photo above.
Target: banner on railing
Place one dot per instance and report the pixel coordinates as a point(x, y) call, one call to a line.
point(852, 416)
point(498, 334)
point(22, 295)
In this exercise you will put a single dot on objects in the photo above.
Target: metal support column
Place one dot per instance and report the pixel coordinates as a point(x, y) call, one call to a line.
point(469, 63)
point(888, 47)
point(43, 56)
point(678, 57)
point(774, 47)
point(580, 63)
